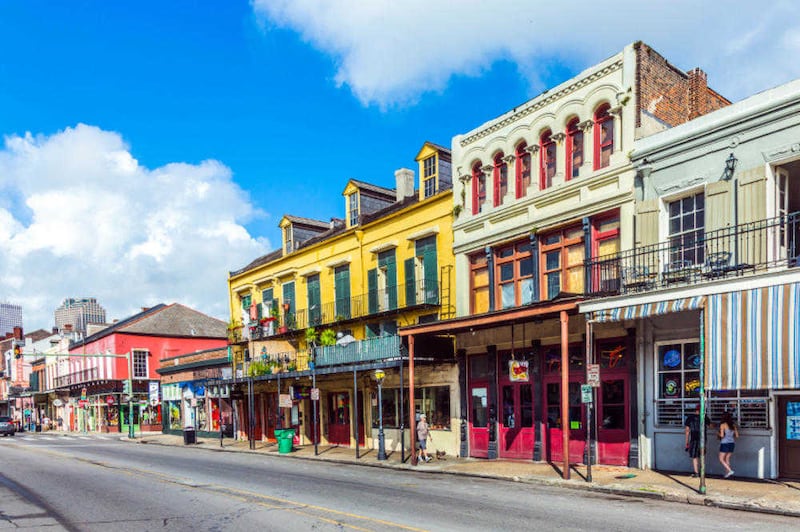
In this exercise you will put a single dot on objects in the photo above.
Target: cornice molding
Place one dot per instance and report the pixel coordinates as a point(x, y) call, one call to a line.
point(537, 104)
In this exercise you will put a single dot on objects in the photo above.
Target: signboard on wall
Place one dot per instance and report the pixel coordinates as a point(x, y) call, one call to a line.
point(593, 375)
point(518, 371)
point(153, 389)
point(285, 400)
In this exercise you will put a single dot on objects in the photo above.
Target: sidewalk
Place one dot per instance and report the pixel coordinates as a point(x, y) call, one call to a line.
point(777, 497)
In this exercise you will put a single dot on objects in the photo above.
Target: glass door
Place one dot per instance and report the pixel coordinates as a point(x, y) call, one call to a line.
point(516, 423)
point(577, 423)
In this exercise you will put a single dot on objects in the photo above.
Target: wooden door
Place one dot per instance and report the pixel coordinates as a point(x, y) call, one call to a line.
point(339, 418)
point(789, 437)
point(613, 416)
point(517, 435)
point(479, 420)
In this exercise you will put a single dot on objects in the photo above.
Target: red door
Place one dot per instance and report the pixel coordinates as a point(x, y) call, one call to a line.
point(577, 429)
point(339, 418)
point(479, 420)
point(516, 422)
point(613, 420)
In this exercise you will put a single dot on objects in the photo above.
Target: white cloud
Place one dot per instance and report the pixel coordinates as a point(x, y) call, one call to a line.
point(389, 52)
point(93, 222)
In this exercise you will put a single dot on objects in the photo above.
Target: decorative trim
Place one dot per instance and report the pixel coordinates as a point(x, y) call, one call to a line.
point(243, 288)
point(533, 149)
point(487, 169)
point(509, 158)
point(424, 233)
point(615, 111)
point(264, 281)
point(383, 247)
point(311, 271)
point(537, 104)
point(339, 262)
point(286, 273)
point(776, 154)
point(465, 178)
point(586, 124)
point(558, 137)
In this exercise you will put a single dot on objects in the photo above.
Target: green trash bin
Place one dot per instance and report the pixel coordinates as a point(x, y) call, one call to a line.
point(285, 440)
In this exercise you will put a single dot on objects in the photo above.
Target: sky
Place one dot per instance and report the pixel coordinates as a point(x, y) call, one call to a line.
point(149, 148)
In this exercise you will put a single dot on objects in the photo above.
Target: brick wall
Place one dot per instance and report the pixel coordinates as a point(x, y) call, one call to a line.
point(668, 94)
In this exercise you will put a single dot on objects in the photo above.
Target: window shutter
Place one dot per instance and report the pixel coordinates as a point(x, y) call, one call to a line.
point(259, 310)
point(391, 282)
point(411, 285)
point(372, 290)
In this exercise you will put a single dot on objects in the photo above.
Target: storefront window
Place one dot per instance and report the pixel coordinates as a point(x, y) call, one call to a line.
point(678, 382)
point(175, 415)
point(434, 401)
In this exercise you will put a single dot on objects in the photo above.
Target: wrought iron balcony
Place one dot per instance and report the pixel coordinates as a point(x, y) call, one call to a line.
point(400, 297)
point(770, 244)
point(276, 363)
point(78, 377)
point(370, 350)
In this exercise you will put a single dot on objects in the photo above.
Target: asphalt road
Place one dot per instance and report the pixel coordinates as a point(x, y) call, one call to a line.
point(101, 483)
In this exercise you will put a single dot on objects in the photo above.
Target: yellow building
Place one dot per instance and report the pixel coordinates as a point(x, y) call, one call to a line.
point(325, 309)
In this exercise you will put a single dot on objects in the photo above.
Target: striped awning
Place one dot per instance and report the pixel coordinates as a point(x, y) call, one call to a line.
point(646, 310)
point(753, 339)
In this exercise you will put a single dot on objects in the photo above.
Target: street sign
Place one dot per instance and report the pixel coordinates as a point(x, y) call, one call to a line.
point(593, 375)
point(586, 393)
point(153, 389)
point(315, 394)
point(126, 398)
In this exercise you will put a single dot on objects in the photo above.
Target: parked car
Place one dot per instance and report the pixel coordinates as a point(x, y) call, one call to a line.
point(7, 426)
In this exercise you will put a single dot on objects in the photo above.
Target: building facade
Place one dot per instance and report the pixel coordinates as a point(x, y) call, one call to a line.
point(77, 314)
point(540, 192)
point(322, 313)
point(712, 283)
point(10, 317)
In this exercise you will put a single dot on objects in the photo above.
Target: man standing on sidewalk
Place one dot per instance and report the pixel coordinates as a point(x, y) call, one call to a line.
point(692, 432)
point(423, 433)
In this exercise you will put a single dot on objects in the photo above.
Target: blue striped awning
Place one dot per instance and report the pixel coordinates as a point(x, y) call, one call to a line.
point(646, 310)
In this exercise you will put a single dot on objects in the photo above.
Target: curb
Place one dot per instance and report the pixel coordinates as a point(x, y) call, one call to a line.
point(692, 499)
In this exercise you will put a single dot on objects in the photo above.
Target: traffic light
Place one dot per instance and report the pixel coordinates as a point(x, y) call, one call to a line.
point(17, 351)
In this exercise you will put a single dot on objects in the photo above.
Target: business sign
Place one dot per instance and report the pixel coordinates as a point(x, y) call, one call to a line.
point(58, 402)
point(315, 394)
point(593, 375)
point(518, 371)
point(83, 394)
point(285, 400)
point(153, 389)
point(83, 403)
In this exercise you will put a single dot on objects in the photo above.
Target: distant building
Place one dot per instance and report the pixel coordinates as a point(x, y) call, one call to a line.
point(79, 313)
point(10, 317)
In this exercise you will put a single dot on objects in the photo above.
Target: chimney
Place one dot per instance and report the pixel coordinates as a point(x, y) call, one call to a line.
point(404, 178)
point(698, 92)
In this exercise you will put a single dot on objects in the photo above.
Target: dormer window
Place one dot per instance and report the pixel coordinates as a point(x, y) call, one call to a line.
point(429, 176)
point(288, 241)
point(353, 208)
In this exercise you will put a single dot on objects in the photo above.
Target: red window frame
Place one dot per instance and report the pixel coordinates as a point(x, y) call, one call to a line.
point(514, 255)
point(574, 149)
point(500, 179)
point(599, 236)
point(523, 170)
point(477, 262)
point(547, 160)
point(565, 240)
point(478, 188)
point(603, 122)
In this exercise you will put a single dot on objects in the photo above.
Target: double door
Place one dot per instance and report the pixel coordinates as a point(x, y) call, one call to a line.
point(516, 431)
point(789, 436)
point(576, 421)
point(339, 418)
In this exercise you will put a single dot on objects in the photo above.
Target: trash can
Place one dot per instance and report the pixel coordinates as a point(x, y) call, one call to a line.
point(285, 440)
point(189, 436)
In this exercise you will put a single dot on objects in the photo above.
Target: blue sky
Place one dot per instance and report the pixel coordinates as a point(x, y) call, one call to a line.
point(150, 147)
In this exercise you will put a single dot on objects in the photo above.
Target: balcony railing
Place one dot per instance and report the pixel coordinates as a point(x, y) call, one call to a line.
point(276, 363)
point(403, 296)
point(370, 350)
point(696, 257)
point(77, 377)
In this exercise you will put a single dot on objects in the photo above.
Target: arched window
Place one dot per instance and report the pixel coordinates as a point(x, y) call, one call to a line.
point(523, 170)
point(574, 149)
point(547, 160)
point(500, 179)
point(478, 188)
point(603, 137)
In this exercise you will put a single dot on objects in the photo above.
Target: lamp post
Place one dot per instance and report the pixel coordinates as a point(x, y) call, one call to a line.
point(379, 376)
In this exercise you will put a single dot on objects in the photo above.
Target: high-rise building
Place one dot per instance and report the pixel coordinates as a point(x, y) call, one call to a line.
point(10, 317)
point(79, 313)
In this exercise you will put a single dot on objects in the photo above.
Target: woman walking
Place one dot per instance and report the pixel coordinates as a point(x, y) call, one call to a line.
point(727, 441)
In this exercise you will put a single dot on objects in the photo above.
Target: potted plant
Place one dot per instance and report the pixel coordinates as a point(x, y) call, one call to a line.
point(327, 337)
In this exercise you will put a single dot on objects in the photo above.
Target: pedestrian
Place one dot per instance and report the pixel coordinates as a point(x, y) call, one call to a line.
point(423, 434)
point(692, 434)
point(727, 441)
point(60, 422)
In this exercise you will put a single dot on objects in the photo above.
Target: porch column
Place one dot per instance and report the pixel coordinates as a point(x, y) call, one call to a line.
point(461, 356)
point(412, 421)
point(565, 393)
point(354, 402)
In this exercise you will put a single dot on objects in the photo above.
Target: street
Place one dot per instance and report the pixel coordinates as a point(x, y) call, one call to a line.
point(92, 482)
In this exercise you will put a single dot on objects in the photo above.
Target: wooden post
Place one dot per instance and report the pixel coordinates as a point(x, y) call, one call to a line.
point(565, 393)
point(412, 412)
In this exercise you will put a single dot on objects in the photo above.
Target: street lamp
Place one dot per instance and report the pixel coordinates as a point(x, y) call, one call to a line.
point(379, 376)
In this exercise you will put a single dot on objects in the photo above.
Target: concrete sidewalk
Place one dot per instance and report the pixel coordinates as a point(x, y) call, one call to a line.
point(777, 497)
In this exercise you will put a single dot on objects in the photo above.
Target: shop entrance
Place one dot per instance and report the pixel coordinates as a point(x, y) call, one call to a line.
point(789, 436)
point(123, 410)
point(479, 420)
point(339, 432)
point(577, 425)
point(516, 424)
